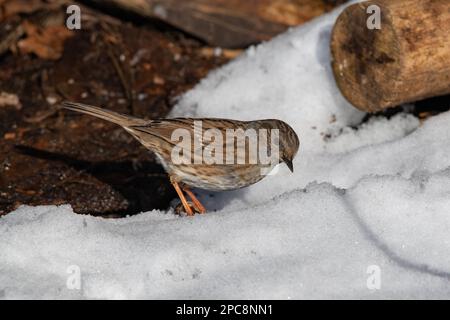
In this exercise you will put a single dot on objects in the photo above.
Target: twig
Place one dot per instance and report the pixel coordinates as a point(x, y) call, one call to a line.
point(11, 37)
point(123, 80)
point(41, 116)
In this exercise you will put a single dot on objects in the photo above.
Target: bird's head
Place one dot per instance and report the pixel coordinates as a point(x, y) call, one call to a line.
point(289, 144)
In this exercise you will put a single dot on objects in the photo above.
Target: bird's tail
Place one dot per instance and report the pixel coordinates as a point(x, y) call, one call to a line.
point(120, 119)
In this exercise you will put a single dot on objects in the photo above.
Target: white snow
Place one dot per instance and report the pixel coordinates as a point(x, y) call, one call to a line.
point(362, 195)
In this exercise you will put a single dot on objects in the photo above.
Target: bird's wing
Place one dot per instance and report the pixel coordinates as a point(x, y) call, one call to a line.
point(218, 139)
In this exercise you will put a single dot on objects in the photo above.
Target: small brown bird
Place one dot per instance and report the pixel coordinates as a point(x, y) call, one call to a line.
point(217, 171)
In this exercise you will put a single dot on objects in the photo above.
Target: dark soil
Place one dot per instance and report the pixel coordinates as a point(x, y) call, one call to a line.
point(49, 156)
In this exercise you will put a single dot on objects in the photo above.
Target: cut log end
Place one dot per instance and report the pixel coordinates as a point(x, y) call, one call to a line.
point(406, 60)
point(361, 57)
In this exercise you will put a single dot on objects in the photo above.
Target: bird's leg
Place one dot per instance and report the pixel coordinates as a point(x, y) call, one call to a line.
point(182, 198)
point(194, 199)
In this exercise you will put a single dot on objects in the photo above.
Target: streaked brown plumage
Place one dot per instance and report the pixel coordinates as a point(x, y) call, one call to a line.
point(156, 135)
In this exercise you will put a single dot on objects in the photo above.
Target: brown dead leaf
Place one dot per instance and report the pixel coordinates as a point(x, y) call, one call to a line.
point(12, 7)
point(9, 136)
point(46, 42)
point(9, 8)
point(9, 100)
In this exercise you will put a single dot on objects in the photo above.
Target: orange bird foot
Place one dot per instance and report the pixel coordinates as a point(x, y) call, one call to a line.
point(197, 204)
point(189, 207)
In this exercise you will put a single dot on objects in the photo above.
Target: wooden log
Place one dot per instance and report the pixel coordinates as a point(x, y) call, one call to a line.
point(408, 59)
point(227, 23)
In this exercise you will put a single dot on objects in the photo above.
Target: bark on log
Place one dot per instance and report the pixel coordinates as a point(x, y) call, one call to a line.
point(227, 23)
point(407, 60)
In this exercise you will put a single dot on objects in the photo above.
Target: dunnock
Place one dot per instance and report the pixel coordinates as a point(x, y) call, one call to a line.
point(192, 171)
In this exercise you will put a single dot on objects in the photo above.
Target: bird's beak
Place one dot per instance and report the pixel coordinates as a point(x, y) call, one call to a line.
point(289, 164)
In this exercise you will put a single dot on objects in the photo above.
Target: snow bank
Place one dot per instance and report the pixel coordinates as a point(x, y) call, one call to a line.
point(304, 244)
point(363, 197)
